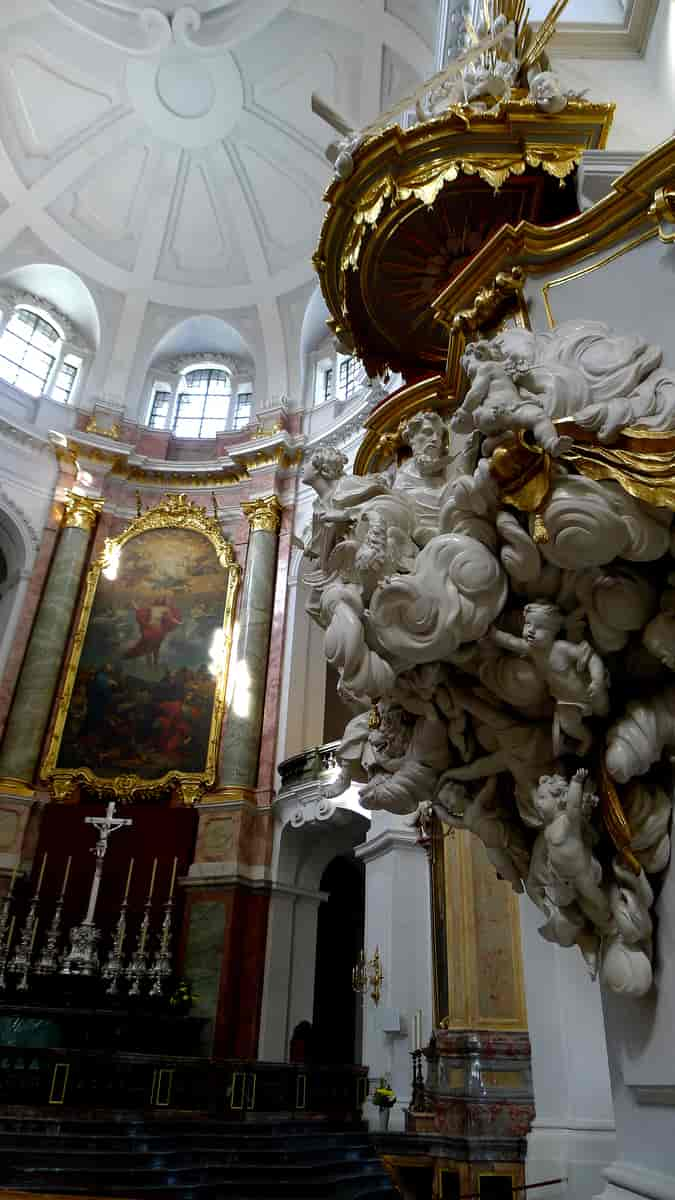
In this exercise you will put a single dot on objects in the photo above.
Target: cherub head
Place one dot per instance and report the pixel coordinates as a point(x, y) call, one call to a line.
point(325, 463)
point(476, 354)
point(542, 624)
point(549, 796)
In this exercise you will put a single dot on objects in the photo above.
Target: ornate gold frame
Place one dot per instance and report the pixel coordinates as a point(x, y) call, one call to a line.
point(174, 512)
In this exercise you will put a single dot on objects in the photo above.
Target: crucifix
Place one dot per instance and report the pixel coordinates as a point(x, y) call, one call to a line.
point(105, 826)
point(82, 958)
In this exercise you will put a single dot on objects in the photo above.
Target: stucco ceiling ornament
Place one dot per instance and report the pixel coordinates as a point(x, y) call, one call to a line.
point(148, 30)
point(500, 607)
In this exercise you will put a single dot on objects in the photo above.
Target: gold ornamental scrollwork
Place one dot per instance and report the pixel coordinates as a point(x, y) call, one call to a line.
point(174, 512)
point(263, 514)
point(81, 512)
point(490, 302)
point(663, 210)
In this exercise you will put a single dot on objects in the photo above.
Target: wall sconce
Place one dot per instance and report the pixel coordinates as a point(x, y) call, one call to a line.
point(368, 973)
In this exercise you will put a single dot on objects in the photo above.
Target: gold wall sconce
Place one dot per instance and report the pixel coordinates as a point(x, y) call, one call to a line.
point(368, 974)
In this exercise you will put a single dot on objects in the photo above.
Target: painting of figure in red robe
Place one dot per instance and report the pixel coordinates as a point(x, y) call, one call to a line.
point(143, 697)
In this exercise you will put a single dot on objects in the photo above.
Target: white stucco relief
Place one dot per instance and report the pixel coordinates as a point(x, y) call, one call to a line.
point(510, 661)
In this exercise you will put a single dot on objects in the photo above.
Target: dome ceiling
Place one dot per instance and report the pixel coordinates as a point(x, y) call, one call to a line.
point(170, 152)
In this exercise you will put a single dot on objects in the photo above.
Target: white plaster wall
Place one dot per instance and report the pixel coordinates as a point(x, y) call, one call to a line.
point(573, 1133)
point(641, 1049)
point(398, 921)
point(642, 88)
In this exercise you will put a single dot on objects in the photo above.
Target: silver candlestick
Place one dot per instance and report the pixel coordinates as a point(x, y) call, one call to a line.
point(161, 967)
point(113, 968)
point(6, 922)
point(82, 957)
point(137, 969)
point(5, 947)
point(48, 959)
point(20, 962)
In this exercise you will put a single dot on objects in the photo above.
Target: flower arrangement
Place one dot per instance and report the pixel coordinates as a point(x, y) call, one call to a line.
point(183, 997)
point(384, 1096)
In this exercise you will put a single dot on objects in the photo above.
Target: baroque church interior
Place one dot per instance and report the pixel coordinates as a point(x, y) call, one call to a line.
point(337, 603)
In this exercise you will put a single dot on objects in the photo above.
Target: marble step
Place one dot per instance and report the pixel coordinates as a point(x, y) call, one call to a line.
point(209, 1185)
point(123, 1160)
point(299, 1146)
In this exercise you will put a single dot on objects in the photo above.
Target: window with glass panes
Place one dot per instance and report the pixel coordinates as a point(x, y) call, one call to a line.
point(159, 409)
point(242, 410)
point(65, 380)
point(347, 377)
point(201, 409)
point(28, 349)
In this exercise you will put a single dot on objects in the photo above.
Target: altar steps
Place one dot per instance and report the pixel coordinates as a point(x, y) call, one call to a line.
point(189, 1160)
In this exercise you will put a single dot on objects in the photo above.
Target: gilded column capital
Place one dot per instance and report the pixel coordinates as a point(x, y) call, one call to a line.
point(264, 513)
point(81, 512)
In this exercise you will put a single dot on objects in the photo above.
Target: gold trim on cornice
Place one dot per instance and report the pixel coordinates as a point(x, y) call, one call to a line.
point(263, 514)
point(16, 787)
point(647, 236)
point(541, 248)
point(81, 512)
point(229, 795)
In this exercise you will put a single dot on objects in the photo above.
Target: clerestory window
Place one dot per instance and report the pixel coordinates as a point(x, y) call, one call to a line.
point(203, 402)
point(28, 349)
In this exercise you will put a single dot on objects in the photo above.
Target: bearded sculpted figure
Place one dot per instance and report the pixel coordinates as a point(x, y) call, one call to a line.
point(505, 620)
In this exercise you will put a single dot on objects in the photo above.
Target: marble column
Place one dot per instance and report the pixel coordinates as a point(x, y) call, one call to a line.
point(31, 706)
point(240, 746)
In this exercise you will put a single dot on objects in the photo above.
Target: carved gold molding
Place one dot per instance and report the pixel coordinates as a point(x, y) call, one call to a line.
point(263, 514)
point(81, 512)
point(174, 512)
point(537, 249)
point(113, 431)
point(490, 302)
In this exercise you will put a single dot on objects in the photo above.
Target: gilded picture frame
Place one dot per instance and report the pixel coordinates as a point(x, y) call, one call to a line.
point(155, 676)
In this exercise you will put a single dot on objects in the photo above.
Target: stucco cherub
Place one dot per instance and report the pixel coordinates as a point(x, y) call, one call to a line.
point(565, 809)
point(573, 671)
point(495, 406)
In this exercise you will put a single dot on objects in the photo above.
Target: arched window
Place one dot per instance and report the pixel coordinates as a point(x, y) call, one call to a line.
point(207, 395)
point(203, 402)
point(28, 350)
point(31, 355)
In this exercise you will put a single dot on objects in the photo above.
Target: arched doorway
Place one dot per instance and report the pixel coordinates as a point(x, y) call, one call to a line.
point(337, 1008)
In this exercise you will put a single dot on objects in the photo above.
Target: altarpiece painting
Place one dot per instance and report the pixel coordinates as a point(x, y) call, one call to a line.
point(144, 692)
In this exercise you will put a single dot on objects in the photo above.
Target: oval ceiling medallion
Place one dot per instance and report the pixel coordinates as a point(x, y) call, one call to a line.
point(188, 100)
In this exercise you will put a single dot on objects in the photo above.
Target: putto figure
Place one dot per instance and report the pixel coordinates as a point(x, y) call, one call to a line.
point(565, 810)
point(574, 673)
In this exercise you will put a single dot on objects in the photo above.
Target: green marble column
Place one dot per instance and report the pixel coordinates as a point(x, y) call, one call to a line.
point(39, 675)
point(240, 746)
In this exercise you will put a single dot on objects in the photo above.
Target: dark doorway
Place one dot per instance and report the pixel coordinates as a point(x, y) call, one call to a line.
point(339, 939)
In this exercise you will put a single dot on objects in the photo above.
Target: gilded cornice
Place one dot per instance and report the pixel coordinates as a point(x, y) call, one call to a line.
point(263, 514)
point(81, 512)
point(539, 248)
